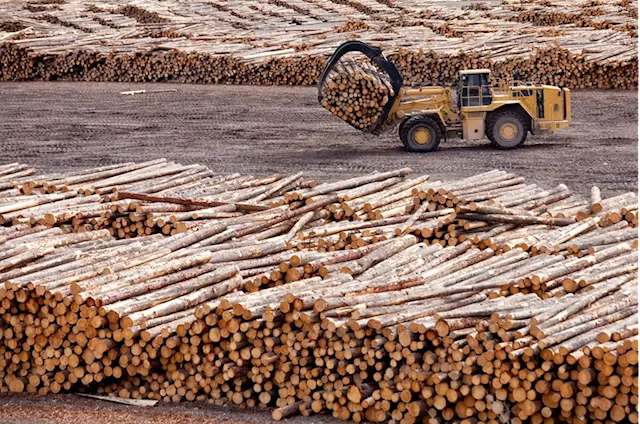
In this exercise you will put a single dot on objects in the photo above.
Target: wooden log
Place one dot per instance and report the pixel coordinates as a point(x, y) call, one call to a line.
point(189, 202)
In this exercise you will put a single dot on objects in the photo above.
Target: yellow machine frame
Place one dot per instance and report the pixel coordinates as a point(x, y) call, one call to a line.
point(552, 114)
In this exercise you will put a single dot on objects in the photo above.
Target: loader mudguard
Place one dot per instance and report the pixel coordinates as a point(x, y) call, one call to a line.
point(376, 56)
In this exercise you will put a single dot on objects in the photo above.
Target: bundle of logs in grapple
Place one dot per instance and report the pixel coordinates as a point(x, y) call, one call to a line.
point(356, 92)
point(385, 297)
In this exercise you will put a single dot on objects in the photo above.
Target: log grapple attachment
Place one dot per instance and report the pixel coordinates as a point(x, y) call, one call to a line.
point(372, 95)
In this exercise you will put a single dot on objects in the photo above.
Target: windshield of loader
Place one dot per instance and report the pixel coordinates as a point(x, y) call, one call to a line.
point(474, 90)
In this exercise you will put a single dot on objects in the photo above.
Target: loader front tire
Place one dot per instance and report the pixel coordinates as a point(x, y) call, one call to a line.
point(420, 134)
point(506, 130)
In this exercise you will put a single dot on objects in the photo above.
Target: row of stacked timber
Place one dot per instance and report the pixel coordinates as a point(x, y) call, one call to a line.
point(384, 297)
point(418, 67)
point(587, 44)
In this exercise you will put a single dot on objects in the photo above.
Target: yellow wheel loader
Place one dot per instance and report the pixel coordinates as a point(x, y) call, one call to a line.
point(479, 107)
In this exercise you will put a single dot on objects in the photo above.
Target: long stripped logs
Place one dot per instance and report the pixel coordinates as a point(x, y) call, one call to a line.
point(385, 297)
point(585, 44)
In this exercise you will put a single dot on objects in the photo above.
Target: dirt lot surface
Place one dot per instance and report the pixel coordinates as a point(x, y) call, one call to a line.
point(262, 130)
point(68, 409)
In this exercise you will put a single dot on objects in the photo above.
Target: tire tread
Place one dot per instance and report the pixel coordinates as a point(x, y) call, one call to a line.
point(425, 120)
point(492, 123)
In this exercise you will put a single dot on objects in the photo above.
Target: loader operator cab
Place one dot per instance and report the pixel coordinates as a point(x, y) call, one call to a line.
point(474, 88)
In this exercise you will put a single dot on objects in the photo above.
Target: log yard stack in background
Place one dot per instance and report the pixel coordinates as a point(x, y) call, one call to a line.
point(582, 44)
point(386, 297)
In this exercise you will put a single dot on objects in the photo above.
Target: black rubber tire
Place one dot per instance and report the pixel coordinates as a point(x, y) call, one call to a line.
point(490, 137)
point(497, 120)
point(411, 124)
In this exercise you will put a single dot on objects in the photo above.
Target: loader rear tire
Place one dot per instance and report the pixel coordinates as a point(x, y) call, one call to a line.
point(420, 134)
point(506, 130)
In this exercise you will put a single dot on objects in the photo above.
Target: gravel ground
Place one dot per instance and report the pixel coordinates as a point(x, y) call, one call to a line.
point(262, 130)
point(67, 409)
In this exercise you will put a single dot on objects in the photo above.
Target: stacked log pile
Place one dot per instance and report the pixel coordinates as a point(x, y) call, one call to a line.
point(353, 25)
point(378, 354)
point(74, 200)
point(385, 297)
point(589, 14)
point(588, 45)
point(578, 71)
